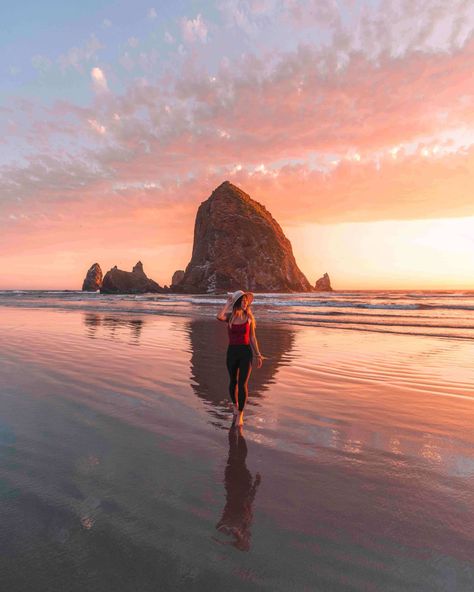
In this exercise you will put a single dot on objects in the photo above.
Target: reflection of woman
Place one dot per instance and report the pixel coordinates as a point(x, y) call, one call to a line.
point(240, 493)
point(242, 340)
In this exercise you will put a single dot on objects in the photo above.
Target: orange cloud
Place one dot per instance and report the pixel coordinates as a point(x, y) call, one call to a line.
point(410, 187)
point(116, 224)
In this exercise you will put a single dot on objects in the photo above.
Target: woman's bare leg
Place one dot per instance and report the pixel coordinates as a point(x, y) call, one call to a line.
point(245, 368)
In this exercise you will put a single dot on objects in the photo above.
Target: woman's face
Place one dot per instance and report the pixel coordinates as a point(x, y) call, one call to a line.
point(244, 303)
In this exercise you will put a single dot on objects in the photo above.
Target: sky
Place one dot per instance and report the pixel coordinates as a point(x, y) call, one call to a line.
point(352, 121)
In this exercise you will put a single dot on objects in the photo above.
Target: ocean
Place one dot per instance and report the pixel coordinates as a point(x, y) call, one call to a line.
point(416, 312)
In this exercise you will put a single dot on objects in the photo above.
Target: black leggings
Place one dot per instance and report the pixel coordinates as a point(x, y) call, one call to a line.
point(239, 365)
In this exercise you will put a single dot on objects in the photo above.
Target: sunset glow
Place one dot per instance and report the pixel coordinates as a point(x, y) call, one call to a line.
point(436, 254)
point(350, 121)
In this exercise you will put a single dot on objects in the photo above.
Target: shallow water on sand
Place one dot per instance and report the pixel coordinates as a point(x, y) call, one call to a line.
point(118, 471)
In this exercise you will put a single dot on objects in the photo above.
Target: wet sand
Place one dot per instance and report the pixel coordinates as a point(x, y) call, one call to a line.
point(118, 470)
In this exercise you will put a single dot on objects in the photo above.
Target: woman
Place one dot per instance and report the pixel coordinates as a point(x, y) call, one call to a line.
point(242, 340)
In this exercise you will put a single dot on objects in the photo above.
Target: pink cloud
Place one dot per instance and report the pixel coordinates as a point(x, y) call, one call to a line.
point(247, 15)
point(301, 107)
point(194, 29)
point(389, 29)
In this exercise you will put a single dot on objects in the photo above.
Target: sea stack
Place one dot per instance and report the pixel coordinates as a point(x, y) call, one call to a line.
point(238, 244)
point(177, 278)
point(93, 279)
point(323, 284)
point(117, 281)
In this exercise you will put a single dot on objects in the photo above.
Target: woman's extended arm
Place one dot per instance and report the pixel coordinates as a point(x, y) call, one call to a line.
point(222, 315)
point(254, 345)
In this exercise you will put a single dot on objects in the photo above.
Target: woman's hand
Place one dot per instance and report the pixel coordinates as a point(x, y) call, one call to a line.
point(259, 360)
point(228, 303)
point(221, 316)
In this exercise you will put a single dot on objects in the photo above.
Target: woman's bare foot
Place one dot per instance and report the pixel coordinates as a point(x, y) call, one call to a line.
point(240, 420)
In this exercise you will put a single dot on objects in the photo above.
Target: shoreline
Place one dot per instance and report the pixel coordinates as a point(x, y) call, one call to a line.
point(448, 316)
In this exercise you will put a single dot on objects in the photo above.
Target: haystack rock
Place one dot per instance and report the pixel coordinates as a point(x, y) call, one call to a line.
point(238, 244)
point(93, 279)
point(177, 278)
point(117, 281)
point(323, 284)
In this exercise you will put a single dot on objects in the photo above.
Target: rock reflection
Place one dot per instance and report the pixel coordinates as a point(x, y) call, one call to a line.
point(113, 324)
point(92, 322)
point(240, 488)
point(209, 377)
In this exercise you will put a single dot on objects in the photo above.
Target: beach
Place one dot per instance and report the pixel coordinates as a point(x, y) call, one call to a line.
point(305, 166)
point(119, 469)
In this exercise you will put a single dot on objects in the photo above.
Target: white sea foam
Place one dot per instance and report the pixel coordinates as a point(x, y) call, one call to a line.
point(452, 313)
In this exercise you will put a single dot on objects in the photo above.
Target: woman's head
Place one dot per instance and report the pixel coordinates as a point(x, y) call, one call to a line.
point(239, 298)
point(241, 303)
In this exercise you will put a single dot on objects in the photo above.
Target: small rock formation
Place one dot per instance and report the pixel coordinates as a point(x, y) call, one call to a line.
point(117, 281)
point(138, 268)
point(93, 279)
point(177, 278)
point(239, 245)
point(323, 284)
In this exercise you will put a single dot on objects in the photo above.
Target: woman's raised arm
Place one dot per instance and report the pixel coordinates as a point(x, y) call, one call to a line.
point(222, 315)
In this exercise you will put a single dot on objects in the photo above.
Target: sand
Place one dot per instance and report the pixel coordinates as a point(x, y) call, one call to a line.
point(119, 469)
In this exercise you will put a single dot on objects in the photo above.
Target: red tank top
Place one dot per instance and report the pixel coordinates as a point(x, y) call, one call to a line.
point(239, 334)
